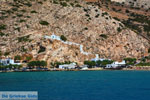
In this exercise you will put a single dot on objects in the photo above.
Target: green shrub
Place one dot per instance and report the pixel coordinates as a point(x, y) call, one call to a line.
point(40, 2)
point(97, 16)
point(6, 53)
point(28, 4)
point(19, 15)
point(3, 27)
point(63, 38)
point(22, 20)
point(104, 36)
point(86, 28)
point(77, 5)
point(24, 39)
point(42, 49)
point(44, 23)
point(64, 4)
point(119, 29)
point(2, 34)
point(33, 11)
point(15, 9)
point(18, 57)
point(23, 10)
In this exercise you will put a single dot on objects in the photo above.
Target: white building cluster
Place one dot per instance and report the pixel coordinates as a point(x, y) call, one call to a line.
point(68, 66)
point(116, 64)
point(8, 62)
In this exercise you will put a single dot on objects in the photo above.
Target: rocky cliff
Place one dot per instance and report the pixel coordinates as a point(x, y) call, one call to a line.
point(23, 25)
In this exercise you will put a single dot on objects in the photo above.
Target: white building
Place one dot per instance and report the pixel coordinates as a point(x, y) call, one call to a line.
point(8, 62)
point(84, 67)
point(68, 66)
point(53, 36)
point(116, 64)
point(98, 59)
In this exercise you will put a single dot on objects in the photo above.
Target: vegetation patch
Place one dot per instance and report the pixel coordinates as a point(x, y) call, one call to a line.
point(63, 38)
point(33, 11)
point(44, 23)
point(103, 36)
point(24, 39)
point(130, 61)
point(42, 49)
point(37, 64)
point(3, 27)
point(2, 34)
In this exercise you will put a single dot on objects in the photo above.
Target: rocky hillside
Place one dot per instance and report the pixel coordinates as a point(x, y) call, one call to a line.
point(135, 3)
point(23, 25)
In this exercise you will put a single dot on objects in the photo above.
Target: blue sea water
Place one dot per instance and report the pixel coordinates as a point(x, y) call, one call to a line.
point(80, 85)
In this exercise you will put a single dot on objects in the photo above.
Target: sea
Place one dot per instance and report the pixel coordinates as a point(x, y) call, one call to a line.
point(80, 85)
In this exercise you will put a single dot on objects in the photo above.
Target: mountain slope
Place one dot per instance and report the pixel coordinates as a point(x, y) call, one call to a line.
point(24, 25)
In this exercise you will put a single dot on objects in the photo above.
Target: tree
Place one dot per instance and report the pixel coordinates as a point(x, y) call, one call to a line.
point(130, 61)
point(90, 63)
point(28, 58)
point(42, 49)
point(6, 53)
point(18, 57)
point(43, 63)
point(105, 62)
point(63, 38)
point(37, 64)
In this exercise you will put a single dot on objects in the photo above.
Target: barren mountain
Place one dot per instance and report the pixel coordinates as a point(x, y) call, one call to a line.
point(23, 25)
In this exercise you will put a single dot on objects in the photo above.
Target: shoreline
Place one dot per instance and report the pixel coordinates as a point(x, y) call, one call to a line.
point(91, 69)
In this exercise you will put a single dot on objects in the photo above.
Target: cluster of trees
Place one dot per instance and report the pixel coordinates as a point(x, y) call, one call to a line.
point(98, 63)
point(143, 64)
point(5, 67)
point(18, 57)
point(130, 61)
point(37, 64)
point(145, 61)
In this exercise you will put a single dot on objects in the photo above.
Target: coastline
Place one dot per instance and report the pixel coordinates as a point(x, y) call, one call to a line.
point(90, 69)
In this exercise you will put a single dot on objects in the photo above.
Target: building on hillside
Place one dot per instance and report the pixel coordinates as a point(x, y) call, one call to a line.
point(98, 59)
point(9, 62)
point(68, 66)
point(53, 36)
point(116, 64)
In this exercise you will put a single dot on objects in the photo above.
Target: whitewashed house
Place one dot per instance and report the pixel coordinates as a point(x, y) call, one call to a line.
point(116, 64)
point(8, 62)
point(68, 66)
